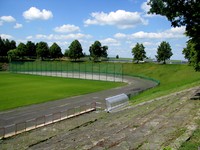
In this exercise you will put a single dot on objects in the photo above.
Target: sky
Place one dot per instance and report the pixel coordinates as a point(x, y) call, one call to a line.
point(118, 24)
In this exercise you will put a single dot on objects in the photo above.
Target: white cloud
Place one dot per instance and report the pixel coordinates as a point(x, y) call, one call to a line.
point(145, 7)
point(110, 42)
point(17, 26)
point(62, 37)
point(120, 35)
point(34, 13)
point(29, 37)
point(177, 30)
point(121, 18)
point(6, 36)
point(67, 28)
point(148, 43)
point(172, 33)
point(7, 19)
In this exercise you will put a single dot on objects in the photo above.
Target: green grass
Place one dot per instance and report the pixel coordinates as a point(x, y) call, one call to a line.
point(193, 142)
point(18, 90)
point(172, 78)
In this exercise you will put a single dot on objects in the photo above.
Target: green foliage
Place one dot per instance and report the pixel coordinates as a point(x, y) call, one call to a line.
point(182, 13)
point(55, 51)
point(167, 148)
point(20, 90)
point(66, 54)
point(2, 47)
point(164, 52)
point(31, 47)
point(42, 50)
point(138, 52)
point(97, 51)
point(189, 51)
point(75, 50)
point(12, 54)
point(117, 56)
point(22, 50)
point(5, 46)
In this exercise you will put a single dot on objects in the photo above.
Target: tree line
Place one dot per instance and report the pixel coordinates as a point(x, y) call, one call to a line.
point(164, 52)
point(75, 52)
point(42, 51)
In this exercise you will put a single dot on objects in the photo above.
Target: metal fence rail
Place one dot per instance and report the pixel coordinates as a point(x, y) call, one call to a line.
point(95, 71)
point(44, 120)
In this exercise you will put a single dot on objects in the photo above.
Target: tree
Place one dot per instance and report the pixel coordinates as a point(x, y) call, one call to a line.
point(189, 51)
point(2, 47)
point(8, 45)
point(31, 49)
point(164, 52)
point(12, 54)
point(12, 45)
point(97, 51)
point(182, 13)
point(22, 50)
point(66, 54)
point(75, 50)
point(55, 51)
point(42, 50)
point(139, 52)
point(104, 51)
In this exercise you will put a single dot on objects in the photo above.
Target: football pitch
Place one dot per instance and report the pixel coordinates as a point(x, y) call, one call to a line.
point(19, 90)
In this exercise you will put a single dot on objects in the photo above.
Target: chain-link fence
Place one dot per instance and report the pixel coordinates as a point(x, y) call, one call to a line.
point(84, 70)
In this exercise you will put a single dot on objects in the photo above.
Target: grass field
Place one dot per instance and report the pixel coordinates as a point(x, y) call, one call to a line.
point(19, 90)
point(172, 78)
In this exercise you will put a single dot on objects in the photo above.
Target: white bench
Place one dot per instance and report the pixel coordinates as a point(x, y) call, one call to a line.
point(115, 102)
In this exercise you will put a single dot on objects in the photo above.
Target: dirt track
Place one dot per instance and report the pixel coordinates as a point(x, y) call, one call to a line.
point(164, 121)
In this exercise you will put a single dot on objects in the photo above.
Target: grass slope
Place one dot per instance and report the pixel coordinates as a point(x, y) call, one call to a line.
point(19, 90)
point(172, 77)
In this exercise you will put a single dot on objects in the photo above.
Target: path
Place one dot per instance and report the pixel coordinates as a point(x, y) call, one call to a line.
point(22, 114)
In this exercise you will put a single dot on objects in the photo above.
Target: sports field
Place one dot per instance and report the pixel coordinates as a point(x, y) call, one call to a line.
point(18, 90)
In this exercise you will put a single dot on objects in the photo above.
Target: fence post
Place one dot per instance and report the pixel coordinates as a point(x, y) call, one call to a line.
point(94, 105)
point(99, 71)
point(61, 67)
point(73, 69)
point(85, 71)
point(79, 71)
point(114, 72)
point(122, 66)
point(56, 68)
point(2, 130)
point(92, 71)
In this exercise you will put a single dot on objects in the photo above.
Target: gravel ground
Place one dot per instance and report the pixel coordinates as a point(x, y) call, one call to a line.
point(165, 121)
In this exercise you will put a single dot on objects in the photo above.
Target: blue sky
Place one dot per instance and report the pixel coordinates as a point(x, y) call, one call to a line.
point(119, 24)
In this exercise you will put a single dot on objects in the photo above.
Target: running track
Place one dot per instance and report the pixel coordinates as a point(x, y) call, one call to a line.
point(22, 114)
